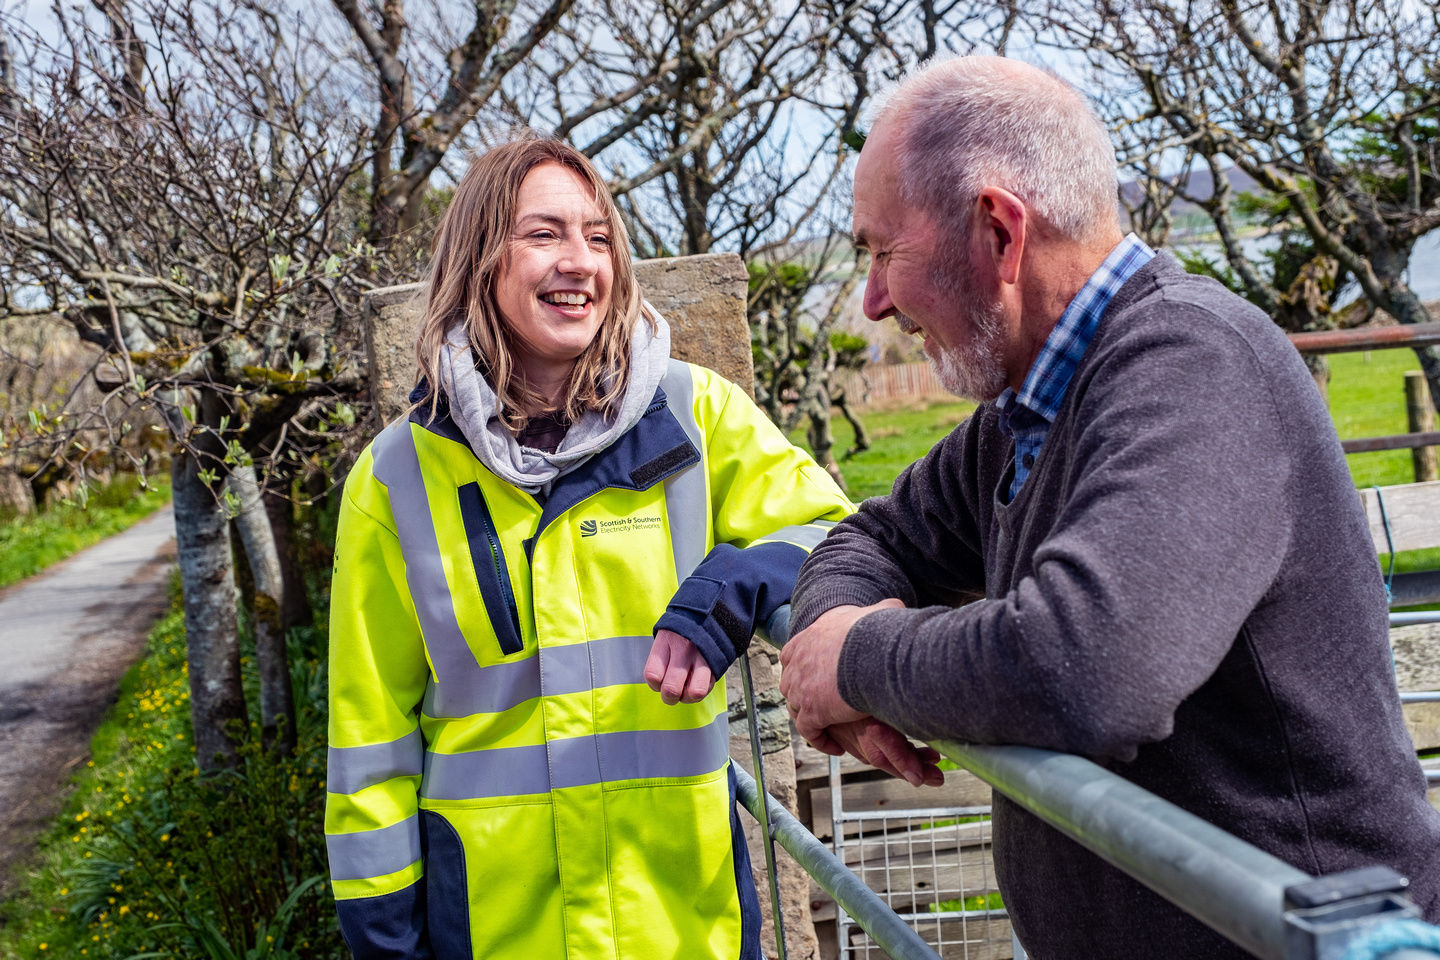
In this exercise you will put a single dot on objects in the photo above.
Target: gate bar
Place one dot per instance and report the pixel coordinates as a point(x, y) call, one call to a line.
point(1231, 886)
point(893, 935)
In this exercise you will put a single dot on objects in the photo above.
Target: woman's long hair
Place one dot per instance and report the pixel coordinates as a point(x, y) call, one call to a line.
point(471, 244)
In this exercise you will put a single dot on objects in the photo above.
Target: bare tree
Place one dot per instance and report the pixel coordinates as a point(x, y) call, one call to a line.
point(1329, 106)
point(427, 117)
point(796, 302)
point(185, 206)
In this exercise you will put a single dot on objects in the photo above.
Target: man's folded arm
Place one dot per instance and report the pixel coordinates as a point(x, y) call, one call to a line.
point(1162, 548)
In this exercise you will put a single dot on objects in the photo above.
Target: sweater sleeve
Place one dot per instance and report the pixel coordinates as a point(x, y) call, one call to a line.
point(1172, 526)
point(919, 544)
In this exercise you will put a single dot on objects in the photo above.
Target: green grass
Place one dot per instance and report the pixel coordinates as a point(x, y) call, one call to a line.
point(1367, 399)
point(983, 901)
point(898, 438)
point(30, 544)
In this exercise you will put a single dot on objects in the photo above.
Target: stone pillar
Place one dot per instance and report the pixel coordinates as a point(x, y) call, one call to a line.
point(392, 318)
point(703, 299)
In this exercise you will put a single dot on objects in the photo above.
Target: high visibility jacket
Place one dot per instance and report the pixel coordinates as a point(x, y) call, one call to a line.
point(502, 782)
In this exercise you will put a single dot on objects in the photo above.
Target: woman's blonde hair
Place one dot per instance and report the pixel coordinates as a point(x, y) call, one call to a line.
point(471, 244)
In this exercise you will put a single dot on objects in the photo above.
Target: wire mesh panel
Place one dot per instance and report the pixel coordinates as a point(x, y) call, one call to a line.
point(932, 867)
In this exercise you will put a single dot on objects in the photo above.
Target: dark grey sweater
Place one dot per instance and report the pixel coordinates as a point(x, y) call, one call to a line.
point(1184, 590)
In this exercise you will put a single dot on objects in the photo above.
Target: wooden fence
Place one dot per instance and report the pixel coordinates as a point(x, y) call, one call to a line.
point(879, 384)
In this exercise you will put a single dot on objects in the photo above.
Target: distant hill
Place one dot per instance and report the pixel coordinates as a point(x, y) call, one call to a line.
point(1201, 186)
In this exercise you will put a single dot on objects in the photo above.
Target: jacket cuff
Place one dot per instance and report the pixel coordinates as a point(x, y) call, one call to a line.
point(718, 606)
point(691, 614)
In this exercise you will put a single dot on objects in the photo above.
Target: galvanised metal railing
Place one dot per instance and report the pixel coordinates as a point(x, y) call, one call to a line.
point(1266, 906)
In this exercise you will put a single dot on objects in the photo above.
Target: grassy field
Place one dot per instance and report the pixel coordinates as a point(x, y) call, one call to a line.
point(898, 438)
point(30, 544)
point(1367, 399)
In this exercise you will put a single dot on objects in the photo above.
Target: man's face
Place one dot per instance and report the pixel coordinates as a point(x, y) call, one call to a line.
point(933, 280)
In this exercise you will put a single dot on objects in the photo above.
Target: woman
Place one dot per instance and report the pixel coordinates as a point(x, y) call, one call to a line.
point(538, 577)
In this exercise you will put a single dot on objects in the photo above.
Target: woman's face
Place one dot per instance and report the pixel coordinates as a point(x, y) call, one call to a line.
point(553, 287)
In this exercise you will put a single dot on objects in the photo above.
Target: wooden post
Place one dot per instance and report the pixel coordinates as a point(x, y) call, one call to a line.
point(1421, 414)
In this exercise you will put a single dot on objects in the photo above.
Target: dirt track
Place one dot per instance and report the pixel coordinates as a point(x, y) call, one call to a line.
point(67, 636)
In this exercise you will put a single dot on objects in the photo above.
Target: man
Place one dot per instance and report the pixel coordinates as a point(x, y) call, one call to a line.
point(1169, 567)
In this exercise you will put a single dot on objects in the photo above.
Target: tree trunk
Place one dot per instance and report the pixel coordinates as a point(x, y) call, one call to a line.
point(212, 645)
point(295, 608)
point(1319, 368)
point(16, 497)
point(822, 444)
point(1406, 307)
point(841, 401)
point(277, 703)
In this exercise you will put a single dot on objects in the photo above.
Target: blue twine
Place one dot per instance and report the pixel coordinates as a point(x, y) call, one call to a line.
point(1386, 938)
point(1389, 546)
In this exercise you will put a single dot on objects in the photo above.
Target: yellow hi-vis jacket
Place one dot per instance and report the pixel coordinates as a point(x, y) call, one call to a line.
point(502, 782)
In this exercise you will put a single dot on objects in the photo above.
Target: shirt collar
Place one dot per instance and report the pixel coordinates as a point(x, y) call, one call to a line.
point(1044, 388)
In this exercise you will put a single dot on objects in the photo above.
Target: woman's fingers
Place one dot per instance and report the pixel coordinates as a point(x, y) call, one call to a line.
point(700, 682)
point(677, 671)
point(658, 662)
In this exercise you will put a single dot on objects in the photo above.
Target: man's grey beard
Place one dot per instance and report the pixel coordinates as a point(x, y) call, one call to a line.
point(977, 370)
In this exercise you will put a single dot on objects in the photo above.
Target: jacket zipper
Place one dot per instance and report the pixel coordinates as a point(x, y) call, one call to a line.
point(484, 543)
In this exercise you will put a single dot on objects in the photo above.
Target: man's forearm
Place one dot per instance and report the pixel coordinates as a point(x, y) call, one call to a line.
point(850, 568)
point(897, 544)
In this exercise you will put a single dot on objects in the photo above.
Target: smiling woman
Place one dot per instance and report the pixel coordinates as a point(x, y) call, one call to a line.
point(554, 283)
point(526, 255)
point(538, 577)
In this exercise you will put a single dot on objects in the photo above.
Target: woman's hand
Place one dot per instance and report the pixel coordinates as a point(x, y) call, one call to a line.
point(676, 670)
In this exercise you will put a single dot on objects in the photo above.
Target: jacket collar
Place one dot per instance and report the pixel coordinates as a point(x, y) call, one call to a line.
point(651, 451)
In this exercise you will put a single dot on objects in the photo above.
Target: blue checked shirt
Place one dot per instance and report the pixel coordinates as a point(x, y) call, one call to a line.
point(1027, 415)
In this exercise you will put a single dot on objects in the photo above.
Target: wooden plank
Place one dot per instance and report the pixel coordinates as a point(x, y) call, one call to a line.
point(811, 763)
point(1367, 338)
point(900, 843)
point(952, 939)
point(961, 789)
point(1423, 722)
point(1395, 441)
point(1414, 513)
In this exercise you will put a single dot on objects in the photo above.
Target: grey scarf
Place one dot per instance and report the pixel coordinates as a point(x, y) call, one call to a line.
point(473, 407)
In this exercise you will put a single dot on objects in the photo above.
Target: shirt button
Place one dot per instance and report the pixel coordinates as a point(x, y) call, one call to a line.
point(1028, 460)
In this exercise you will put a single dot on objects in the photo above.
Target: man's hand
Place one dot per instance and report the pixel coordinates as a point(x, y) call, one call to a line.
point(808, 682)
point(676, 670)
point(881, 745)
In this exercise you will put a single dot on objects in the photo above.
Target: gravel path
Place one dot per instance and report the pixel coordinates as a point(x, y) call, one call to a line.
point(67, 636)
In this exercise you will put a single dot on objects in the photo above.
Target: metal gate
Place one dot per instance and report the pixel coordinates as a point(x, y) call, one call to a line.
point(932, 867)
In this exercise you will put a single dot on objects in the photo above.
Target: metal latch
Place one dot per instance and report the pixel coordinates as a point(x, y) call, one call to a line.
point(1322, 916)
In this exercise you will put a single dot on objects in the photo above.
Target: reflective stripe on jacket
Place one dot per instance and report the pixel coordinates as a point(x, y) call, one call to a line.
point(502, 782)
